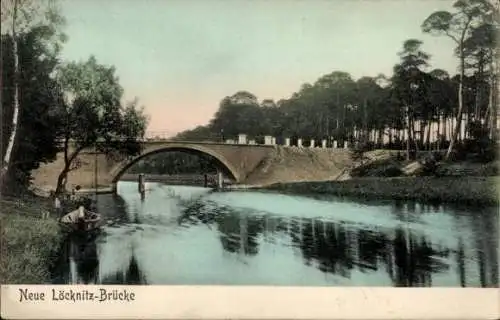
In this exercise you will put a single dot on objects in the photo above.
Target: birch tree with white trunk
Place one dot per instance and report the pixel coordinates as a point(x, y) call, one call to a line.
point(18, 17)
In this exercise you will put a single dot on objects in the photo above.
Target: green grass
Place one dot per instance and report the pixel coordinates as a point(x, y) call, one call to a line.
point(470, 190)
point(28, 242)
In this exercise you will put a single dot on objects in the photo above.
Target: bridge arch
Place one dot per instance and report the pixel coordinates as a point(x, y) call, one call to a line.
point(120, 168)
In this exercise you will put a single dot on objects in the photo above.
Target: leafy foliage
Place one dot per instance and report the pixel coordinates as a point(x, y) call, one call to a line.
point(92, 114)
point(36, 141)
point(379, 168)
point(470, 20)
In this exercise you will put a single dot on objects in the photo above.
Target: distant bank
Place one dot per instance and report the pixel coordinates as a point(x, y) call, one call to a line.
point(183, 179)
point(465, 190)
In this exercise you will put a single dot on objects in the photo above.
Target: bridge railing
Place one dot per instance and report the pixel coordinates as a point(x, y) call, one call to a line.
point(390, 138)
point(242, 139)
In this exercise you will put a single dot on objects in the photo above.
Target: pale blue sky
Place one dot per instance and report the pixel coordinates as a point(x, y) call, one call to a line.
point(180, 58)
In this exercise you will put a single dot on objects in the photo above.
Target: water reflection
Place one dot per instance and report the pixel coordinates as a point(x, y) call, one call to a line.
point(78, 262)
point(335, 248)
point(193, 237)
point(131, 275)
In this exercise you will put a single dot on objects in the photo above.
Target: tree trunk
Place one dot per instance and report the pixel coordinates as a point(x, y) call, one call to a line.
point(492, 112)
point(413, 134)
point(380, 138)
point(438, 142)
point(68, 160)
point(490, 106)
point(15, 117)
point(63, 176)
point(421, 128)
point(493, 124)
point(445, 128)
point(460, 91)
point(408, 134)
point(61, 181)
point(460, 107)
point(429, 125)
point(479, 87)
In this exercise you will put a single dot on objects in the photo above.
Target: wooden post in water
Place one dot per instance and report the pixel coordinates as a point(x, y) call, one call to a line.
point(205, 176)
point(141, 184)
point(220, 181)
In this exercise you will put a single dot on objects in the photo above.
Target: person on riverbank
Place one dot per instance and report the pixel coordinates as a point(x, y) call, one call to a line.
point(73, 196)
point(81, 218)
point(56, 203)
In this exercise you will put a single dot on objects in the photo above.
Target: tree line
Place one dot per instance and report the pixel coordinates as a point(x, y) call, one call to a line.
point(50, 105)
point(407, 107)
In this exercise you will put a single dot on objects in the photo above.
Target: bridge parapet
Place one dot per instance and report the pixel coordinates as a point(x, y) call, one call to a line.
point(243, 141)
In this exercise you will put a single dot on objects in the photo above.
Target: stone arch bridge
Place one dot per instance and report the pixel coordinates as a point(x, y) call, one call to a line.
point(238, 159)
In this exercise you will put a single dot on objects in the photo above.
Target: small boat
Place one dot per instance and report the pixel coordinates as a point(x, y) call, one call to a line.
point(81, 220)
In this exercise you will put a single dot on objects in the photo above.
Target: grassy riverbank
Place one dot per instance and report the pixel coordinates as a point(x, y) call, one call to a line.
point(470, 190)
point(29, 243)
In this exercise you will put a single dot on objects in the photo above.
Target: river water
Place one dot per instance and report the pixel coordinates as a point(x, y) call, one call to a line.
point(181, 235)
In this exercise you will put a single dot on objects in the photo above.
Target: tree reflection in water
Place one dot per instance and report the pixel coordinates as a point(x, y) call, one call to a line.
point(408, 257)
point(132, 275)
point(80, 252)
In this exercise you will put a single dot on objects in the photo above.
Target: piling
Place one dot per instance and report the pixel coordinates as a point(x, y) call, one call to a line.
point(220, 181)
point(141, 184)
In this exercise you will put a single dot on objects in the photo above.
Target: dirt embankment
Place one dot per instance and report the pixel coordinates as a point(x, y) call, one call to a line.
point(291, 164)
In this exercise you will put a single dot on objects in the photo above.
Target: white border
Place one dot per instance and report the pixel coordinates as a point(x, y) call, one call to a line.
point(252, 302)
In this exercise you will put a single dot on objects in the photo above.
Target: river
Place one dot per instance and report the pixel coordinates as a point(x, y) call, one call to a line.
point(180, 235)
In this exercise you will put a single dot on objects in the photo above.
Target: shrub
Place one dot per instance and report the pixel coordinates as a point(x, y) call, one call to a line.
point(380, 168)
point(429, 168)
point(70, 205)
point(481, 145)
point(358, 151)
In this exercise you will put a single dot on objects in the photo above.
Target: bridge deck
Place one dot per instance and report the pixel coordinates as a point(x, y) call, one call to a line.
point(206, 143)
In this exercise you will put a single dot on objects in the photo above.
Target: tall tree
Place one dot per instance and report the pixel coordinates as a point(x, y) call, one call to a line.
point(31, 40)
point(408, 84)
point(457, 26)
point(17, 17)
point(93, 116)
point(37, 134)
point(239, 113)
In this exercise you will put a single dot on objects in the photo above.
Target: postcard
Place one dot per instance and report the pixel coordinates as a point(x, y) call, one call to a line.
point(250, 159)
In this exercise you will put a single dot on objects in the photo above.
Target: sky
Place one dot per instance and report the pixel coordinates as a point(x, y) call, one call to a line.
point(180, 58)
